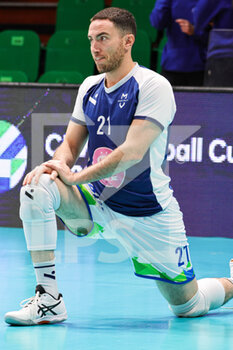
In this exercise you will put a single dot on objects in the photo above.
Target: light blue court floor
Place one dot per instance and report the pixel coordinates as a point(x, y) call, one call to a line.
point(109, 308)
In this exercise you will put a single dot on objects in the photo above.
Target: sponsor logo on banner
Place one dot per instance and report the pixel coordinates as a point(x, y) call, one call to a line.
point(13, 156)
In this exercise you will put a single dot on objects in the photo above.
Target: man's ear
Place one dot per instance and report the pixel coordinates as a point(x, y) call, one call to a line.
point(129, 40)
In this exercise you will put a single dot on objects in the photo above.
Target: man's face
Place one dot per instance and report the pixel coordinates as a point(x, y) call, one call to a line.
point(107, 45)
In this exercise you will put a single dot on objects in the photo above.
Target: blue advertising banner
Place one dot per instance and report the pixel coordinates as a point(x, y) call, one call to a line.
point(201, 165)
point(18, 135)
point(33, 122)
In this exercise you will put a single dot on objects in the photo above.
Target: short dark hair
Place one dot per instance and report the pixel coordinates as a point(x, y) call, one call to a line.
point(123, 19)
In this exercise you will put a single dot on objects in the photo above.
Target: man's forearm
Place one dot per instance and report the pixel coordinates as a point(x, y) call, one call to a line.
point(64, 153)
point(114, 163)
point(139, 138)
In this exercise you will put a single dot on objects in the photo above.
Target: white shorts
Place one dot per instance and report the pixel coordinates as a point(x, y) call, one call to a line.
point(156, 244)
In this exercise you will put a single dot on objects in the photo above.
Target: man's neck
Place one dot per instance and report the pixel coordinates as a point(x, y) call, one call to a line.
point(114, 77)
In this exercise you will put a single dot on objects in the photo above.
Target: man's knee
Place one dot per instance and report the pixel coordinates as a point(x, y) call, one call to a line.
point(37, 211)
point(210, 296)
point(38, 201)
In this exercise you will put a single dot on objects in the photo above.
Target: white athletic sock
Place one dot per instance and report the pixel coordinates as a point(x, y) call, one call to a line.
point(46, 276)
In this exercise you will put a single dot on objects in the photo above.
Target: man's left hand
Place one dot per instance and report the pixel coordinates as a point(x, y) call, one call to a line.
point(64, 172)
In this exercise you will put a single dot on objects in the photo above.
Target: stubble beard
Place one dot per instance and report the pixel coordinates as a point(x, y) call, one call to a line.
point(113, 62)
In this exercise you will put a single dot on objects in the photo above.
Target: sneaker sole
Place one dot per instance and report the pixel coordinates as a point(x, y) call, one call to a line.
point(14, 321)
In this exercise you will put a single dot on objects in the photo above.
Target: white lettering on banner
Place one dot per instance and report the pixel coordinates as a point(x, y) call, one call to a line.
point(227, 155)
point(48, 143)
point(192, 152)
point(59, 138)
point(218, 150)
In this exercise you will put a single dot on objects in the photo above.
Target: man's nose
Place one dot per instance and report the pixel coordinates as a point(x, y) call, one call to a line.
point(95, 46)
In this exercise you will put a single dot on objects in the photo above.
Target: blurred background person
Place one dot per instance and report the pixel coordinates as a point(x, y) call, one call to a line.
point(218, 15)
point(184, 55)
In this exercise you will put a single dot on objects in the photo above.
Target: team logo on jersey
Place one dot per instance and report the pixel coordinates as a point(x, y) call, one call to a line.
point(123, 100)
point(13, 156)
point(114, 180)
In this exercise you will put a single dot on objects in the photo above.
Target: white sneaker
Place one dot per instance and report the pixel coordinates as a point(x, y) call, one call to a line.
point(41, 309)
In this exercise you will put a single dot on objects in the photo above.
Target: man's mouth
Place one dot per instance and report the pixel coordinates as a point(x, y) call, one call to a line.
point(97, 59)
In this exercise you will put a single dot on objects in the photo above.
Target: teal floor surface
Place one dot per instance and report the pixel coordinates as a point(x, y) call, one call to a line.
point(108, 307)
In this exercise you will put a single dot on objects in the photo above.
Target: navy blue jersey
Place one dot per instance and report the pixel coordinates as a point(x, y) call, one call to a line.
point(143, 189)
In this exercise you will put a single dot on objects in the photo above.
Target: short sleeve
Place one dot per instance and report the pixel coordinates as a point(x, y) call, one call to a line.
point(156, 101)
point(78, 113)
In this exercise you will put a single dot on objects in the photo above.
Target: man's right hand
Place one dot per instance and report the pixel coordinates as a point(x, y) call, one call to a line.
point(37, 172)
point(185, 26)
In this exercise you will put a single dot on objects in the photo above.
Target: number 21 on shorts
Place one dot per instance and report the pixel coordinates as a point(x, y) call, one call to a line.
point(183, 255)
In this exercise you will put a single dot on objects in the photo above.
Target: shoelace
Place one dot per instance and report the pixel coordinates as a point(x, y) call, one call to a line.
point(32, 300)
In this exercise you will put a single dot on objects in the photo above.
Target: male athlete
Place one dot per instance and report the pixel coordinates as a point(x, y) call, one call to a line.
point(125, 112)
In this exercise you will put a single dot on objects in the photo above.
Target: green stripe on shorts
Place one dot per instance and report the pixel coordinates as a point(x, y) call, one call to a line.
point(148, 270)
point(90, 199)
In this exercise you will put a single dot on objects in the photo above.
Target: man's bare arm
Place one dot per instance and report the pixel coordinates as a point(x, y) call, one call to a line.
point(72, 145)
point(66, 153)
point(140, 136)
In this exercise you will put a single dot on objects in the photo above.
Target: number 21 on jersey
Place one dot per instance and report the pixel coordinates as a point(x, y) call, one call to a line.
point(102, 121)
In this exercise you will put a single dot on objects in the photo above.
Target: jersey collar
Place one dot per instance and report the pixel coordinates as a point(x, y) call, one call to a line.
point(122, 81)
